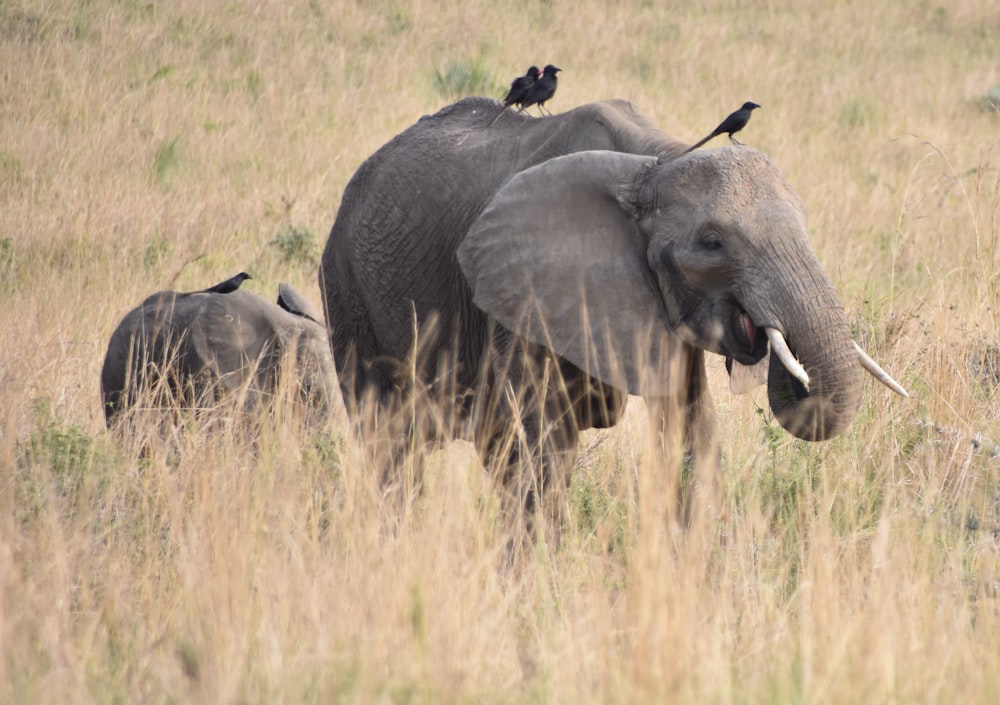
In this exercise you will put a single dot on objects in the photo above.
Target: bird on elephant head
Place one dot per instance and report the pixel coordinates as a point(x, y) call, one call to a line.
point(229, 285)
point(733, 123)
point(520, 87)
point(591, 260)
point(542, 90)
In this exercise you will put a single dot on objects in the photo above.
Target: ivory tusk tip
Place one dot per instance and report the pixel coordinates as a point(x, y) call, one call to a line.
point(780, 348)
point(878, 373)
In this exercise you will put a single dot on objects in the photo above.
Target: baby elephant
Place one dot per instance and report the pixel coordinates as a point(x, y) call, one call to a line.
point(190, 351)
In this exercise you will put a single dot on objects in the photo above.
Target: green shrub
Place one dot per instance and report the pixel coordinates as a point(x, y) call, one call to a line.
point(297, 245)
point(458, 79)
point(166, 158)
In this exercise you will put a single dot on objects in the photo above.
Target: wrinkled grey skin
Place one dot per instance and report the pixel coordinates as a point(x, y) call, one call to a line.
point(192, 350)
point(585, 242)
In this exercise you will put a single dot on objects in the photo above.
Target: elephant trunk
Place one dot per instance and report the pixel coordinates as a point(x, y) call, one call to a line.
point(818, 335)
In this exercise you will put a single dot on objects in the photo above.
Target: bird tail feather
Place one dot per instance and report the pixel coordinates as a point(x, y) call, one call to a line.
point(698, 144)
point(502, 111)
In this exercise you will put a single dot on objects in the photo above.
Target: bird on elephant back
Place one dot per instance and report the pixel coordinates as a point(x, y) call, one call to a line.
point(180, 353)
point(525, 277)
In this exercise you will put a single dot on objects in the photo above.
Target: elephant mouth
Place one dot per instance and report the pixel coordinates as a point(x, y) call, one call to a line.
point(748, 340)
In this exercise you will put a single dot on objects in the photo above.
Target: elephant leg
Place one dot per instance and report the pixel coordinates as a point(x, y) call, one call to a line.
point(701, 427)
point(687, 421)
point(367, 371)
point(529, 434)
point(551, 431)
point(376, 402)
point(595, 404)
point(373, 388)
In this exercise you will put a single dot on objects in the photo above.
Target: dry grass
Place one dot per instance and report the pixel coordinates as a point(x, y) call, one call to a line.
point(151, 145)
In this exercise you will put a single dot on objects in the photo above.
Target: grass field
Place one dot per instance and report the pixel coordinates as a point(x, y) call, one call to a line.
point(148, 145)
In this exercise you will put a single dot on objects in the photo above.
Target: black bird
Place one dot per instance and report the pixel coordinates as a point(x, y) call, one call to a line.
point(519, 89)
point(230, 285)
point(731, 125)
point(543, 89)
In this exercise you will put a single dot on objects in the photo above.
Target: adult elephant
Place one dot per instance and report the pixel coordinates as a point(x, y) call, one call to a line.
point(527, 275)
point(190, 351)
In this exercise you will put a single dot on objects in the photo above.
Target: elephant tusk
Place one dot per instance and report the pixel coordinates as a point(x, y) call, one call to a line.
point(878, 373)
point(780, 348)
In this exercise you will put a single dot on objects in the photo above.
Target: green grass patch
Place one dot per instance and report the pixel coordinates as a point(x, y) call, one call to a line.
point(297, 245)
point(462, 78)
point(166, 158)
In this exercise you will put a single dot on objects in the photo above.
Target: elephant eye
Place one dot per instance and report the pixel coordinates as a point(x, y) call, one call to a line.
point(710, 241)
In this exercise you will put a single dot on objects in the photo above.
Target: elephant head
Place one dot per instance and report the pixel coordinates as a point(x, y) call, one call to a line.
point(612, 259)
point(200, 346)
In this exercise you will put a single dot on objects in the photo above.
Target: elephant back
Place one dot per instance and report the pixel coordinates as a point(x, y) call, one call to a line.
point(193, 350)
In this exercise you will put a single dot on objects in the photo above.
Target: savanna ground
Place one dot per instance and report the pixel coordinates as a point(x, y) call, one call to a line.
point(149, 145)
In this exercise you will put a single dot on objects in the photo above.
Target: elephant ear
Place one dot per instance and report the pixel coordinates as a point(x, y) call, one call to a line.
point(230, 334)
point(293, 301)
point(559, 258)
